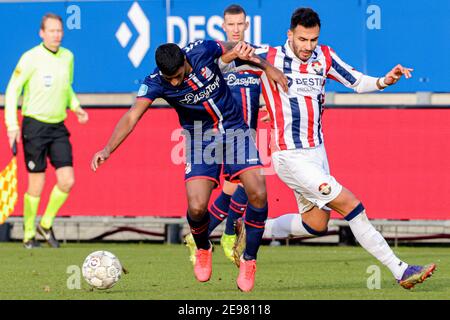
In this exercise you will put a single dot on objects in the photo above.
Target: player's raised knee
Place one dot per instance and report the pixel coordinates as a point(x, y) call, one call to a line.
point(197, 210)
point(257, 197)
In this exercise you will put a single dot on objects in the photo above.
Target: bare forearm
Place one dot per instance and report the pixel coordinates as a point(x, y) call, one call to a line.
point(229, 57)
point(258, 62)
point(123, 128)
point(126, 124)
point(242, 51)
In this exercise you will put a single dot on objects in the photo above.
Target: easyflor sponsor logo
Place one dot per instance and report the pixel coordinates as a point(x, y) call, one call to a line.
point(232, 80)
point(191, 98)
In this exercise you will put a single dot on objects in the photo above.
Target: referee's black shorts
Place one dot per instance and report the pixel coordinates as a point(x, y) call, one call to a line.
point(42, 140)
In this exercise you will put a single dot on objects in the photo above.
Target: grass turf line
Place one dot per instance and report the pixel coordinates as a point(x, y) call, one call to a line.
point(164, 272)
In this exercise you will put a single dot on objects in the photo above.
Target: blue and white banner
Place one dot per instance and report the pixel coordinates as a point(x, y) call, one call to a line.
point(114, 41)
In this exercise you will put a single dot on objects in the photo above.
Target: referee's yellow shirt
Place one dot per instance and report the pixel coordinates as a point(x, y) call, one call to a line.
point(46, 79)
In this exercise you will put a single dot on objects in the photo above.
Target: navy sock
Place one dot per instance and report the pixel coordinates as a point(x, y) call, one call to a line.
point(238, 205)
point(255, 220)
point(199, 230)
point(218, 211)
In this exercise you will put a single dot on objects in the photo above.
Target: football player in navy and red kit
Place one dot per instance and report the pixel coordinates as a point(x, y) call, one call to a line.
point(245, 88)
point(190, 80)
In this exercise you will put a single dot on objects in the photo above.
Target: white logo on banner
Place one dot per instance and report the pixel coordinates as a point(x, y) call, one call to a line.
point(142, 43)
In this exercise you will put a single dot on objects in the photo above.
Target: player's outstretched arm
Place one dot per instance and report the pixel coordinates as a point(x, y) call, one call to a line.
point(123, 128)
point(359, 82)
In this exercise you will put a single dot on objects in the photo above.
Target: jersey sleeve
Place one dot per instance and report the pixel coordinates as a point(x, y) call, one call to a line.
point(263, 51)
point(342, 72)
point(204, 49)
point(214, 48)
point(150, 89)
point(74, 103)
point(19, 78)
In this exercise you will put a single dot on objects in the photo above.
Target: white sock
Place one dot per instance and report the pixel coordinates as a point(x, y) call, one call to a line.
point(285, 226)
point(371, 240)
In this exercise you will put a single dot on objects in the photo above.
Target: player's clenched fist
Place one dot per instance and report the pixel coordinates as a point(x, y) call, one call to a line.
point(99, 158)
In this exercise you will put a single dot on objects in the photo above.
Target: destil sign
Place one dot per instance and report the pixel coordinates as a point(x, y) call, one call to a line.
point(179, 30)
point(182, 32)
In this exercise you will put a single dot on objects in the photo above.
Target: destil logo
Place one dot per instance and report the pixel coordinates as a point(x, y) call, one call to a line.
point(142, 43)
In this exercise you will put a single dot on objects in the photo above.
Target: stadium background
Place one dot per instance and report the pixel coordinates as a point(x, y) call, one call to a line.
point(391, 151)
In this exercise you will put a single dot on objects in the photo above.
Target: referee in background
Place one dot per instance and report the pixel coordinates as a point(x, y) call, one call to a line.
point(45, 75)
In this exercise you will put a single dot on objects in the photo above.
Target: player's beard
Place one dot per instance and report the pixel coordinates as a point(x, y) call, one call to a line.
point(305, 55)
point(299, 53)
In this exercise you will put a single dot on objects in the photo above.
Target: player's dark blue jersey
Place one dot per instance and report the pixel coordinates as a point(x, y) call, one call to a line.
point(203, 96)
point(245, 87)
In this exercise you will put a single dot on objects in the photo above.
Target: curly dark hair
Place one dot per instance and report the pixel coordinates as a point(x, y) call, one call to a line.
point(305, 17)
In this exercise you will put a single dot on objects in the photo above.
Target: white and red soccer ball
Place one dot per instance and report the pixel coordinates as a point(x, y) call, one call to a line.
point(102, 269)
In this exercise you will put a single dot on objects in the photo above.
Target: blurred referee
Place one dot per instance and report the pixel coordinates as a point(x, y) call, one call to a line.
point(45, 75)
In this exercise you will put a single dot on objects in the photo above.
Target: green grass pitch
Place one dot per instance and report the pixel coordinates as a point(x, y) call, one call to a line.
point(164, 272)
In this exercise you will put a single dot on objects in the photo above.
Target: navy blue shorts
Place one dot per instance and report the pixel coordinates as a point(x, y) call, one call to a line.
point(234, 153)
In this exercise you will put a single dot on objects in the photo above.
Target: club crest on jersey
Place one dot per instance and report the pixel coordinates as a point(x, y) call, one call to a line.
point(325, 189)
point(206, 73)
point(317, 67)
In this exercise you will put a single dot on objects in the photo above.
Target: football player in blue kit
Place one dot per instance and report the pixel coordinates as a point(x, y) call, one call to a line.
point(217, 137)
point(245, 88)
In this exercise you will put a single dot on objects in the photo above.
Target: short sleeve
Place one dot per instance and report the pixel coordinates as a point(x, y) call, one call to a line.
point(205, 49)
point(214, 48)
point(150, 89)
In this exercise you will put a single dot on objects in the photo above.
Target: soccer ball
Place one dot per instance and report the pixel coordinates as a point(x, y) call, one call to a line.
point(102, 269)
